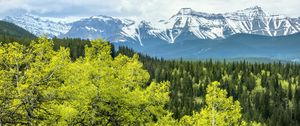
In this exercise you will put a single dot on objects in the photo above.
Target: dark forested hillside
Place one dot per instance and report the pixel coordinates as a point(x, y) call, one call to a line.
point(268, 92)
point(10, 32)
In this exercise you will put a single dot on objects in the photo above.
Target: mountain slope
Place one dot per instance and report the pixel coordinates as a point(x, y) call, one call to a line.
point(39, 26)
point(113, 29)
point(255, 21)
point(11, 30)
point(189, 24)
point(235, 46)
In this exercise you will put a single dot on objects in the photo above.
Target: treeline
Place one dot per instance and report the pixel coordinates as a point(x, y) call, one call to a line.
point(268, 92)
point(75, 45)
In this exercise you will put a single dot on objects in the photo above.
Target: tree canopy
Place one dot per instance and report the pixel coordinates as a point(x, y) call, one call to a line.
point(43, 86)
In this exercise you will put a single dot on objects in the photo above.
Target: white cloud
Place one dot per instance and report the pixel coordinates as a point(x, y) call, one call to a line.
point(148, 9)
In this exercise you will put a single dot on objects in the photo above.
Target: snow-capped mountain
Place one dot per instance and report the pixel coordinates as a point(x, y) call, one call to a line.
point(255, 21)
point(187, 24)
point(113, 29)
point(39, 26)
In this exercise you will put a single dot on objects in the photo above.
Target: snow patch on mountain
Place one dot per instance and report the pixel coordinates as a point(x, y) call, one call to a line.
point(39, 26)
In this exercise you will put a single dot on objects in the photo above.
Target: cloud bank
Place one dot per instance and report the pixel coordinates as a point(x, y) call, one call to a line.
point(138, 9)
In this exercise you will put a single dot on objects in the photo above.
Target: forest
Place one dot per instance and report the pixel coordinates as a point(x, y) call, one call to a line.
point(268, 93)
point(82, 82)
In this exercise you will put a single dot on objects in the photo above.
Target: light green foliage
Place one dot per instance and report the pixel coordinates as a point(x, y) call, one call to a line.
point(253, 123)
point(40, 86)
point(219, 110)
point(113, 90)
point(166, 120)
point(28, 75)
point(190, 120)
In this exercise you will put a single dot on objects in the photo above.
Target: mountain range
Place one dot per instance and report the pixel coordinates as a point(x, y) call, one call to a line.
point(187, 34)
point(186, 24)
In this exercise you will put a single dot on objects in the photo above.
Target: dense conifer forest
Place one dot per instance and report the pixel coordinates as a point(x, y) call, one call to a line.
point(268, 92)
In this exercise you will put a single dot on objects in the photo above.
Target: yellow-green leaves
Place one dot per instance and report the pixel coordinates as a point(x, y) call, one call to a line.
point(41, 86)
point(219, 110)
point(29, 78)
point(100, 50)
point(120, 97)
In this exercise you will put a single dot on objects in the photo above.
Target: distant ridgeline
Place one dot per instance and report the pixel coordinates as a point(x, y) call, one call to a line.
point(237, 46)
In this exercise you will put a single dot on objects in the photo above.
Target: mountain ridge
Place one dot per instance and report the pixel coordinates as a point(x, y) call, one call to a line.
point(185, 24)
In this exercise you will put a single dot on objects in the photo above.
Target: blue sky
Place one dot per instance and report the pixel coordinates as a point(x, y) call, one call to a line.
point(140, 9)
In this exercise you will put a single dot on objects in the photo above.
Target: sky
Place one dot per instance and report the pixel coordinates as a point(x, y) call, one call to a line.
point(139, 9)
